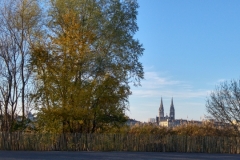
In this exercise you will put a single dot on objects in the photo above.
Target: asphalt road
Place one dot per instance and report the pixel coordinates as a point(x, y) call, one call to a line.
point(58, 155)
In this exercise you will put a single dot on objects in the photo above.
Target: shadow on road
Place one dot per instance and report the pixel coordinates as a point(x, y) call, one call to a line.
point(12, 155)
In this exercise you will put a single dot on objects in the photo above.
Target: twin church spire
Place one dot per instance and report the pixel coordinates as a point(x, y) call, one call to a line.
point(171, 113)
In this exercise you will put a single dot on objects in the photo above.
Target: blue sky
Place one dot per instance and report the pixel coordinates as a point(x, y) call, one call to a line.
point(190, 47)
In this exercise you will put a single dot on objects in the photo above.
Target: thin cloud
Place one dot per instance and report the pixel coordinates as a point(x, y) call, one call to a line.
point(169, 93)
point(153, 80)
point(155, 86)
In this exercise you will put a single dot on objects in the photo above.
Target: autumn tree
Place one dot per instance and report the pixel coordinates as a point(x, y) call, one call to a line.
point(224, 103)
point(85, 65)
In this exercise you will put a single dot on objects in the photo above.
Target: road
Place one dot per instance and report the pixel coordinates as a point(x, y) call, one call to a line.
point(58, 155)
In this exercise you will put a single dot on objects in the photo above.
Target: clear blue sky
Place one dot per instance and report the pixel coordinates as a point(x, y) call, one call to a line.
point(190, 47)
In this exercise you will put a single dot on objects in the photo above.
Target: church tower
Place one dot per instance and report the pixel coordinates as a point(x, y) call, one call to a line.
point(172, 111)
point(161, 111)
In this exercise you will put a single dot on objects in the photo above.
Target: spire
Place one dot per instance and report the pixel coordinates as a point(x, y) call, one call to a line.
point(172, 110)
point(161, 105)
point(172, 106)
point(161, 111)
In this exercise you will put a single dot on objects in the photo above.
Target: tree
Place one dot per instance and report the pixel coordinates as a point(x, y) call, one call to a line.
point(19, 25)
point(224, 103)
point(84, 67)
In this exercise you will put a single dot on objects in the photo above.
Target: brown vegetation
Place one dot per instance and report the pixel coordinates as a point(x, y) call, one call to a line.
point(206, 129)
point(118, 142)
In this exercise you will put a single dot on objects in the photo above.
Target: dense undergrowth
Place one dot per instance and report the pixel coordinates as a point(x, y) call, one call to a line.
point(206, 129)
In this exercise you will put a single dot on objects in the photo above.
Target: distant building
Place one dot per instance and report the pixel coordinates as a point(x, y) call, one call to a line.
point(217, 123)
point(166, 120)
point(31, 117)
point(161, 112)
point(151, 120)
point(173, 123)
point(132, 122)
point(170, 121)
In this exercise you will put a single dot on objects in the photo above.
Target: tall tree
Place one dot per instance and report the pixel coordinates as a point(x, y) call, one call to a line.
point(86, 64)
point(224, 104)
point(19, 25)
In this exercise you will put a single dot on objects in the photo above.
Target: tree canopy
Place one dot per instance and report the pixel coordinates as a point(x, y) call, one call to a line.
point(224, 103)
point(85, 63)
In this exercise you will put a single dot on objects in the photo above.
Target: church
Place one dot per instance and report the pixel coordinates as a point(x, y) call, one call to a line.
point(170, 121)
point(167, 121)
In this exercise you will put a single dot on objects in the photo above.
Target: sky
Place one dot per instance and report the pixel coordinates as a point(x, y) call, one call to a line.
point(190, 48)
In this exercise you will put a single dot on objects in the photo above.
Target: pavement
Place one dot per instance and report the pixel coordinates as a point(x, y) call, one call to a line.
point(63, 155)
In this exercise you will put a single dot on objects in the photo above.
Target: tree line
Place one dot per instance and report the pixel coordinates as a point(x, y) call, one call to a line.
point(70, 61)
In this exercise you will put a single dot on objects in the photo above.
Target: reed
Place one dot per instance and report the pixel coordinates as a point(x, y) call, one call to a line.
point(118, 142)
